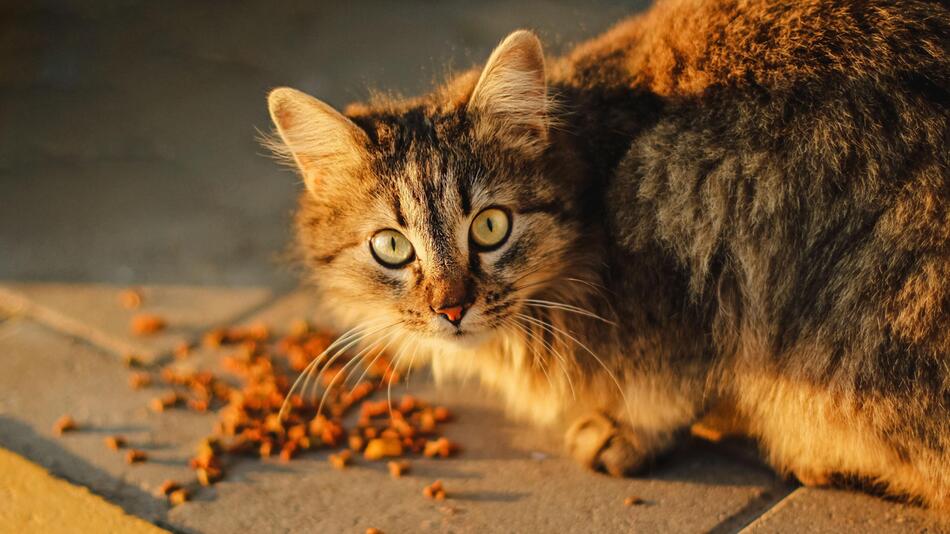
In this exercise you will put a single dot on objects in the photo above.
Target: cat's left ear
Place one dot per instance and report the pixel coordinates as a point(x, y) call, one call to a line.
point(510, 101)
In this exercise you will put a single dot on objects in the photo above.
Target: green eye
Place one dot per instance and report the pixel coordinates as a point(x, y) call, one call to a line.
point(490, 228)
point(391, 249)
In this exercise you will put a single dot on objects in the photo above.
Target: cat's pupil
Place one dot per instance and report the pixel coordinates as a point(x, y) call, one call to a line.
point(392, 242)
point(490, 229)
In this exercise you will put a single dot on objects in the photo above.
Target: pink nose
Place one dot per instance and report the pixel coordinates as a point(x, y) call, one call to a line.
point(452, 313)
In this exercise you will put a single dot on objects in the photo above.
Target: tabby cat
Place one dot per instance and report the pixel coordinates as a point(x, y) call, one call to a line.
point(717, 202)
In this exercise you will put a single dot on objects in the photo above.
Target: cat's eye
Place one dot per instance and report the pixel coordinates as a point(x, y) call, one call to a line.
point(490, 228)
point(391, 249)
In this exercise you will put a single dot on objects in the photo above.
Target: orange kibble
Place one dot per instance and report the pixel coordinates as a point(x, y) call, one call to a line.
point(167, 487)
point(288, 451)
point(272, 423)
point(140, 380)
point(130, 299)
point(182, 350)
point(213, 338)
point(64, 424)
point(258, 332)
point(132, 360)
point(178, 496)
point(380, 448)
point(297, 432)
point(403, 428)
point(633, 500)
point(372, 530)
point(147, 323)
point(115, 442)
point(398, 468)
point(407, 404)
point(441, 414)
point(135, 456)
point(440, 447)
point(356, 442)
point(341, 460)
point(208, 475)
point(434, 491)
point(266, 449)
point(156, 405)
point(198, 405)
point(427, 421)
point(299, 328)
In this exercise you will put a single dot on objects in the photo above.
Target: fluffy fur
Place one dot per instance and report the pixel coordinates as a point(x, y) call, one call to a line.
point(718, 200)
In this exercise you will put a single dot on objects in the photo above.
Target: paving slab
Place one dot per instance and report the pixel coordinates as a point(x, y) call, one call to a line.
point(47, 375)
point(32, 500)
point(834, 510)
point(510, 477)
point(93, 311)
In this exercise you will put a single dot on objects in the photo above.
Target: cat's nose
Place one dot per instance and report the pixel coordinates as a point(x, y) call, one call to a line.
point(452, 314)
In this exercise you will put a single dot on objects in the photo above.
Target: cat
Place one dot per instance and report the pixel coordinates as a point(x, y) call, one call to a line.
point(738, 203)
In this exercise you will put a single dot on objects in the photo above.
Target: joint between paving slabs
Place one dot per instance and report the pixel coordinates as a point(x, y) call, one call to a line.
point(744, 522)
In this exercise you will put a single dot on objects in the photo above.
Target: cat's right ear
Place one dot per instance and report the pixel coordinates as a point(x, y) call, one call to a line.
point(321, 141)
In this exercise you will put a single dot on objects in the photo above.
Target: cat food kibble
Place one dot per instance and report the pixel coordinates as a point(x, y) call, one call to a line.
point(372, 530)
point(179, 496)
point(208, 475)
point(144, 324)
point(135, 456)
point(441, 447)
point(115, 442)
point(398, 468)
point(182, 350)
point(63, 424)
point(130, 299)
point(632, 501)
point(248, 403)
point(434, 491)
point(167, 487)
point(140, 380)
point(380, 448)
point(342, 459)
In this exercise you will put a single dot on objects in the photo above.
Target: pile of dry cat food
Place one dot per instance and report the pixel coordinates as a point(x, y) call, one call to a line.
point(249, 395)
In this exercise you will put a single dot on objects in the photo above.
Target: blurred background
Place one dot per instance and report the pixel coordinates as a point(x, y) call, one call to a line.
point(128, 149)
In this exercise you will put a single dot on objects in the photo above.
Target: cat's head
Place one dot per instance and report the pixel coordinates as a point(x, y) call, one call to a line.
point(439, 214)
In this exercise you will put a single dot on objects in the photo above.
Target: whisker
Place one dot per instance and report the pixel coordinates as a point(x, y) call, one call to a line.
point(537, 358)
point(565, 307)
point(350, 336)
point(560, 357)
point(355, 359)
point(313, 363)
point(415, 348)
point(389, 385)
point(545, 324)
point(340, 352)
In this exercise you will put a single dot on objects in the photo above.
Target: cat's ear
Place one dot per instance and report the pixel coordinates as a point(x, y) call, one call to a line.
point(320, 139)
point(510, 99)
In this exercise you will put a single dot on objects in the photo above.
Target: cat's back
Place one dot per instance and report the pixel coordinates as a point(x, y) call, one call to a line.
point(799, 164)
point(684, 47)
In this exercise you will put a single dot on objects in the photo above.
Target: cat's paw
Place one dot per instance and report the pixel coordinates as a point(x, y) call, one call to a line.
point(599, 443)
point(812, 478)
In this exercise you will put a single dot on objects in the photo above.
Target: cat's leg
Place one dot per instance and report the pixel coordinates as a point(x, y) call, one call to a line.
point(625, 441)
point(814, 434)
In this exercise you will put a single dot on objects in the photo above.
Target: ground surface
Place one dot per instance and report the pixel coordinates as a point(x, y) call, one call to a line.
point(62, 347)
point(128, 156)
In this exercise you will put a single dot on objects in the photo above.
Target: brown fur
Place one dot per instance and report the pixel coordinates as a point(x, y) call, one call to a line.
point(751, 196)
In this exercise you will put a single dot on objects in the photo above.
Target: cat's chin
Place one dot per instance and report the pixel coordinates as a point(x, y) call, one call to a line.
point(465, 339)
